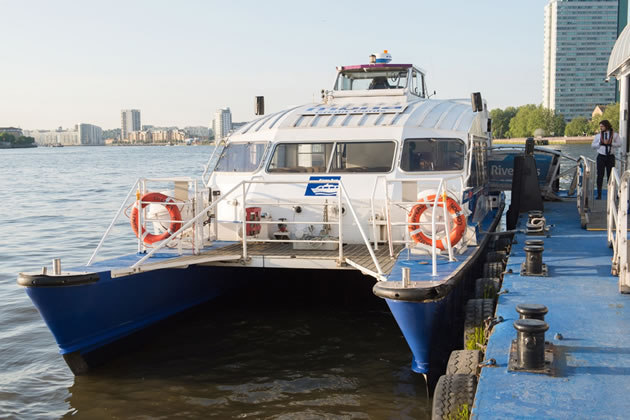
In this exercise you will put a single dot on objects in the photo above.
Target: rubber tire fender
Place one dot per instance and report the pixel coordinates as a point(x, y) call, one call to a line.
point(477, 311)
point(487, 287)
point(452, 393)
point(464, 362)
point(493, 269)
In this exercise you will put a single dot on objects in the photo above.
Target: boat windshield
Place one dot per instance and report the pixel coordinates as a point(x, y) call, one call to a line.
point(241, 157)
point(433, 154)
point(333, 157)
point(368, 80)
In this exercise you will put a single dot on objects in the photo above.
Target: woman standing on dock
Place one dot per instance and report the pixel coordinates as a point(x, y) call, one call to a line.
point(604, 142)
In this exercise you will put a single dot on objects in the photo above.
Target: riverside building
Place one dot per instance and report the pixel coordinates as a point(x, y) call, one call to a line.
point(129, 122)
point(579, 36)
point(222, 123)
point(82, 135)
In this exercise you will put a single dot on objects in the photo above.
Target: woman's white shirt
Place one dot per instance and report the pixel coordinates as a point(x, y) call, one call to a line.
point(601, 149)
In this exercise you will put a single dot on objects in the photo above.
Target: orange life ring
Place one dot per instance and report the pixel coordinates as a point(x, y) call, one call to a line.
point(458, 221)
point(173, 211)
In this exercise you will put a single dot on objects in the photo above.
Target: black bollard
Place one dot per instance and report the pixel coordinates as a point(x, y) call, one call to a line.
point(531, 311)
point(533, 260)
point(530, 343)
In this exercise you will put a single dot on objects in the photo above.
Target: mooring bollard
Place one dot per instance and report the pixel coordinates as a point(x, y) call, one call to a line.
point(533, 259)
point(538, 242)
point(56, 266)
point(530, 343)
point(405, 276)
point(531, 311)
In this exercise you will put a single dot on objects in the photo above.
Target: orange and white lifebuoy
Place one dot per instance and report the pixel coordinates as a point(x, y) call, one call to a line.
point(458, 221)
point(173, 211)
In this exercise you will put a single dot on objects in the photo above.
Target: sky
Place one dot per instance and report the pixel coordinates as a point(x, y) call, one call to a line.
point(69, 62)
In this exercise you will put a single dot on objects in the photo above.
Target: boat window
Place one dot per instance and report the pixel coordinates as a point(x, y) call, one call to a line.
point(433, 154)
point(241, 157)
point(417, 84)
point(362, 80)
point(478, 167)
point(363, 157)
point(300, 157)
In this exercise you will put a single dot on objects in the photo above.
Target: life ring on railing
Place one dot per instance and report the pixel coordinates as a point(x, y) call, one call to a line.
point(458, 221)
point(173, 211)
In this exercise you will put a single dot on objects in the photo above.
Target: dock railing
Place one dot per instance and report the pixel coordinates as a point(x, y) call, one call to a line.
point(241, 191)
point(585, 196)
point(617, 226)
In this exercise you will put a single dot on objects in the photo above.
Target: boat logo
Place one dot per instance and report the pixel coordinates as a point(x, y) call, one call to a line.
point(322, 189)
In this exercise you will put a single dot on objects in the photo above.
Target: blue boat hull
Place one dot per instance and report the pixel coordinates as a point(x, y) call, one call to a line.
point(431, 317)
point(86, 317)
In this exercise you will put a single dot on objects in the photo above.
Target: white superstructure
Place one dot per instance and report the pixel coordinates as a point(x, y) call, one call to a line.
point(376, 138)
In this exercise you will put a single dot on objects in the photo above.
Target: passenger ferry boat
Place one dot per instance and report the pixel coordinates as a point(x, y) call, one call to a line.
point(377, 177)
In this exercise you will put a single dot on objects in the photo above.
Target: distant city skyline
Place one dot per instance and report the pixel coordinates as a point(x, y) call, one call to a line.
point(87, 61)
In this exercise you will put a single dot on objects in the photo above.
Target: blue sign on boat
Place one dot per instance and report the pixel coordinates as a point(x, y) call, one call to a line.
point(322, 189)
point(501, 167)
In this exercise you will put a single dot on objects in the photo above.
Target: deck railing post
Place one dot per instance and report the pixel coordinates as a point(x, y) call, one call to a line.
point(340, 212)
point(622, 235)
point(244, 216)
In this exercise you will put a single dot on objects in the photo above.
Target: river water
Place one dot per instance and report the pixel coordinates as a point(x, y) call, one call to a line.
point(264, 361)
point(276, 361)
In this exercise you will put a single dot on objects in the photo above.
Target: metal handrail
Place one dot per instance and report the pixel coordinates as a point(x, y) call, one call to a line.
point(442, 188)
point(584, 187)
point(114, 220)
point(243, 185)
point(621, 255)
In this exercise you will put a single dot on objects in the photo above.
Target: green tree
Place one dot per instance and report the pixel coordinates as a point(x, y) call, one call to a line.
point(7, 137)
point(501, 121)
point(530, 117)
point(577, 127)
point(611, 113)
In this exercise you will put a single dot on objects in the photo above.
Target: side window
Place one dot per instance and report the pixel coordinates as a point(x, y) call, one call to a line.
point(300, 157)
point(363, 157)
point(478, 167)
point(415, 89)
point(433, 154)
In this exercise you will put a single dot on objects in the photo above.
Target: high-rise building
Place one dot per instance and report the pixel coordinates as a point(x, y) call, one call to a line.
point(129, 121)
point(579, 36)
point(222, 123)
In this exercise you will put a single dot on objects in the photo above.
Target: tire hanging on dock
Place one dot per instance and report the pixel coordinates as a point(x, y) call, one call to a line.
point(458, 221)
point(173, 211)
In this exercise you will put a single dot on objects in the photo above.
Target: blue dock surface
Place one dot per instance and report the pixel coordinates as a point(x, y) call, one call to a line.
point(591, 365)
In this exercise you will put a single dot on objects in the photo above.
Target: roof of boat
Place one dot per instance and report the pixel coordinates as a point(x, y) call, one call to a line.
point(375, 66)
point(454, 115)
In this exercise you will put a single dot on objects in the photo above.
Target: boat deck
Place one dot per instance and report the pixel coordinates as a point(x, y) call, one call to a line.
point(588, 322)
point(274, 255)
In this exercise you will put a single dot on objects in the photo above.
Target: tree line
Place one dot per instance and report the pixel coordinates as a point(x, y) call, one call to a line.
point(531, 120)
point(16, 141)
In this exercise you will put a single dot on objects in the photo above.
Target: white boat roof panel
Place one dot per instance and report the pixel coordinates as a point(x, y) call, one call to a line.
point(433, 114)
point(620, 55)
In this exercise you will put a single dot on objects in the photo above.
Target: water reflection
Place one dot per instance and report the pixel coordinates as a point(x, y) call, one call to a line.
point(256, 362)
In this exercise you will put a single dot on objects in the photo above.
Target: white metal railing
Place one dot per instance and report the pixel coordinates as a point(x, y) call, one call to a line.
point(585, 189)
point(140, 188)
point(440, 192)
point(617, 217)
point(243, 186)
